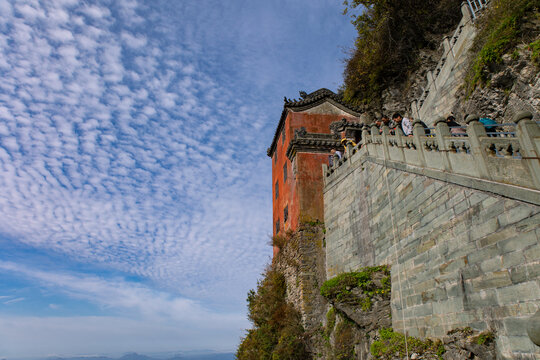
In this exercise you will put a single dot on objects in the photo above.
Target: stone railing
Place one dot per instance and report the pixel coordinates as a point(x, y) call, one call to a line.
point(508, 165)
point(476, 6)
point(454, 54)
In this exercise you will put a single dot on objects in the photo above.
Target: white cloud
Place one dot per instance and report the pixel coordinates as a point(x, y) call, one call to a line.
point(133, 41)
point(96, 12)
point(13, 301)
point(174, 322)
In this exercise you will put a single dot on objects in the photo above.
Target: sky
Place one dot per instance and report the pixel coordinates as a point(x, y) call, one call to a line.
point(135, 201)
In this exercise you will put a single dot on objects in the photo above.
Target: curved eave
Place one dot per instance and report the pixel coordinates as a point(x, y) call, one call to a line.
point(303, 105)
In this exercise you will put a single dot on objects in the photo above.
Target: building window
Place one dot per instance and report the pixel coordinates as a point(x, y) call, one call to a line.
point(277, 226)
point(277, 190)
point(275, 157)
point(285, 213)
point(285, 172)
point(283, 135)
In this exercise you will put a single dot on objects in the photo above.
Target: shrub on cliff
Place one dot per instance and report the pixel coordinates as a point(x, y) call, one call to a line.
point(505, 24)
point(277, 332)
point(391, 343)
point(390, 34)
point(342, 287)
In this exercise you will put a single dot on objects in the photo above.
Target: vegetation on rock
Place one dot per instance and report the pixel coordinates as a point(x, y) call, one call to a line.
point(341, 288)
point(535, 52)
point(344, 341)
point(501, 28)
point(391, 343)
point(277, 332)
point(390, 34)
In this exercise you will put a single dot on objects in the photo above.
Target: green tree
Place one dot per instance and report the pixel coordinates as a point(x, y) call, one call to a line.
point(390, 34)
point(277, 332)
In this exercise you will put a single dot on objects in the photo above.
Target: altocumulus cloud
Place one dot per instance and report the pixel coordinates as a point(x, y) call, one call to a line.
point(113, 150)
point(132, 160)
point(113, 153)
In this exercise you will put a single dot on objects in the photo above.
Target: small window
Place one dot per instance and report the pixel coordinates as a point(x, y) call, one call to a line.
point(277, 189)
point(283, 135)
point(275, 157)
point(285, 172)
point(277, 226)
point(285, 213)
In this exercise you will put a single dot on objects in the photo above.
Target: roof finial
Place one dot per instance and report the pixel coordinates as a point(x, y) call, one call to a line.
point(303, 94)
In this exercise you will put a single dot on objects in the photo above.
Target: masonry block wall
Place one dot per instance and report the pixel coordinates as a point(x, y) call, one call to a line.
point(460, 256)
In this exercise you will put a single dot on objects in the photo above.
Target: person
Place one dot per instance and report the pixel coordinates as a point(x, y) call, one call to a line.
point(333, 154)
point(404, 123)
point(455, 128)
point(383, 121)
point(489, 125)
point(346, 142)
point(378, 123)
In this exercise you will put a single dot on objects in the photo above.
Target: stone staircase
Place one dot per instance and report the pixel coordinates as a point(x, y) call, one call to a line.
point(444, 81)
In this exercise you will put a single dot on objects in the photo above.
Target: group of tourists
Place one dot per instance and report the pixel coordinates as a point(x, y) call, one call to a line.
point(406, 125)
point(398, 121)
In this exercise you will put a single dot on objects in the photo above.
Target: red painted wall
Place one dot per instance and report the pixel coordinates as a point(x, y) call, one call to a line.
point(302, 190)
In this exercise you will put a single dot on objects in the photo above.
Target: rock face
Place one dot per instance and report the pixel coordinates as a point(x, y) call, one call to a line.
point(514, 86)
point(344, 325)
point(466, 344)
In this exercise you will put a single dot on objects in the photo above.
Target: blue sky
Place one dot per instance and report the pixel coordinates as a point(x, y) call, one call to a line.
point(135, 204)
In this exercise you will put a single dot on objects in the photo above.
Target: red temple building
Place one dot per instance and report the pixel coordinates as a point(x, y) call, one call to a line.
point(302, 143)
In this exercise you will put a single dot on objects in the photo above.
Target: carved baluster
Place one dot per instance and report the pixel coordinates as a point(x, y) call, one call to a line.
point(475, 130)
point(442, 131)
point(527, 133)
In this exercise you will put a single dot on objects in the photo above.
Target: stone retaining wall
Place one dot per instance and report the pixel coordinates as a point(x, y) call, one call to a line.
point(462, 253)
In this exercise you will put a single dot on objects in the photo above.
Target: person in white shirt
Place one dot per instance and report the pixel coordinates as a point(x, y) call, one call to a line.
point(404, 123)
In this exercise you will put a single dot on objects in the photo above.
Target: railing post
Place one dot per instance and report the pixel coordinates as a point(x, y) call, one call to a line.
point(385, 134)
point(431, 80)
point(377, 151)
point(528, 134)
point(476, 130)
point(467, 10)
point(324, 172)
point(365, 136)
point(399, 143)
point(418, 132)
point(441, 131)
point(348, 150)
point(448, 49)
point(414, 109)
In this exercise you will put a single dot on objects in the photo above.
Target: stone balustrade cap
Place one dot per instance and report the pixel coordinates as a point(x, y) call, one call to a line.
point(440, 119)
point(524, 115)
point(471, 117)
point(373, 125)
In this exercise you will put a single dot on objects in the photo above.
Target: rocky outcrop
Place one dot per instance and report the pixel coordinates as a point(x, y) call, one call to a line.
point(514, 86)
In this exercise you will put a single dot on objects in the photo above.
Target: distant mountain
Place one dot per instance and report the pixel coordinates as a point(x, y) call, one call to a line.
point(226, 356)
point(135, 356)
point(80, 358)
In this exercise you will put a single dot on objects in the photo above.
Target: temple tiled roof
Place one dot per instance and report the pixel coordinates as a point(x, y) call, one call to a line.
point(308, 101)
